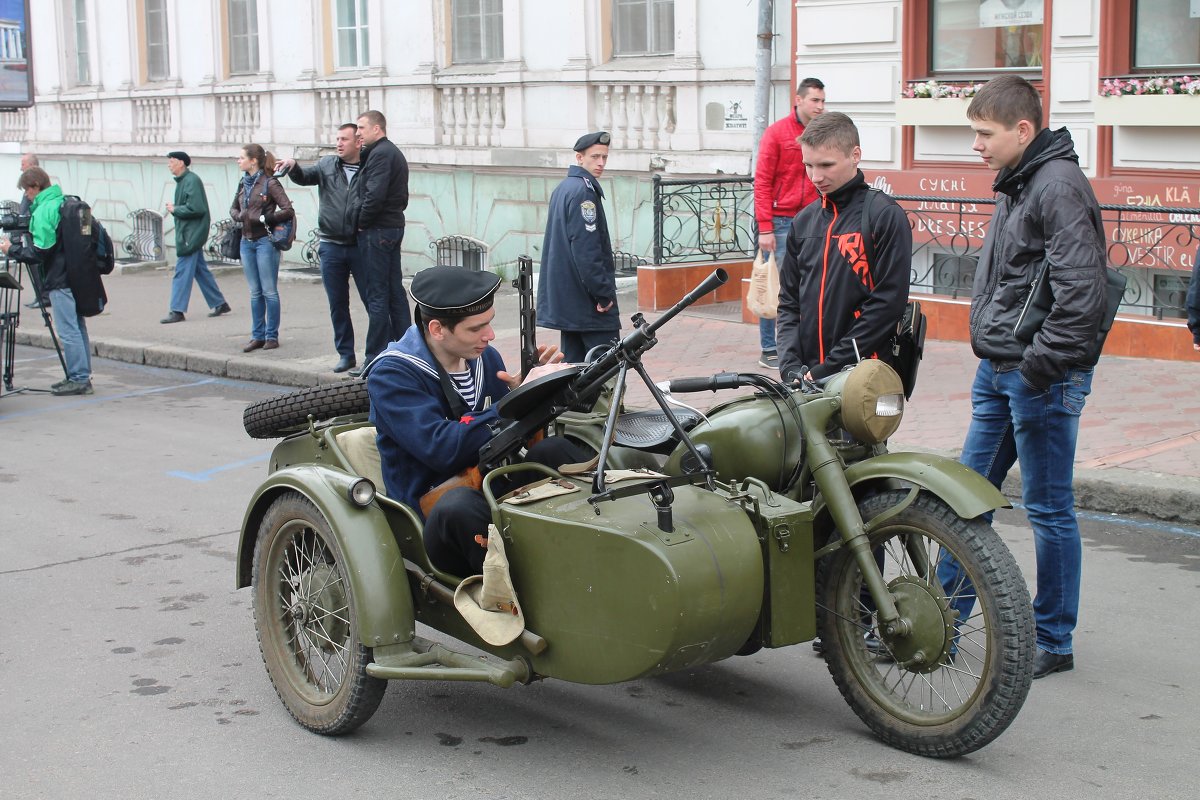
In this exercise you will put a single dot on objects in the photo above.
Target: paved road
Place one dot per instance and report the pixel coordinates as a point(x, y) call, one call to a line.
point(130, 667)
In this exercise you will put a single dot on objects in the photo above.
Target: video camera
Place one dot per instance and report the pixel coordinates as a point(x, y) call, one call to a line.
point(13, 221)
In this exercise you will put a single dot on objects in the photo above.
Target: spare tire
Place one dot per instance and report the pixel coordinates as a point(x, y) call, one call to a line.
point(289, 413)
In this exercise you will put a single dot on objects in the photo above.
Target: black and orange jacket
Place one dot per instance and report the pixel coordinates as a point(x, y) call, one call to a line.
point(830, 298)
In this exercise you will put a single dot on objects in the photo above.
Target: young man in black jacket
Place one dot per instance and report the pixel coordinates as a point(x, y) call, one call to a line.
point(337, 220)
point(383, 197)
point(1029, 391)
point(835, 308)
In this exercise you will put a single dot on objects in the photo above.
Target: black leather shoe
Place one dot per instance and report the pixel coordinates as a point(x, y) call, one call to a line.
point(345, 363)
point(219, 310)
point(36, 304)
point(174, 316)
point(357, 373)
point(1047, 663)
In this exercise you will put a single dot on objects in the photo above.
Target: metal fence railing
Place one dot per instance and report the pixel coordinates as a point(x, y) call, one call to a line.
point(145, 241)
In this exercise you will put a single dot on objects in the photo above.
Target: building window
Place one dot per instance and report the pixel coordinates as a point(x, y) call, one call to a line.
point(478, 31)
point(158, 65)
point(643, 27)
point(351, 23)
point(1166, 35)
point(243, 37)
point(82, 70)
point(969, 36)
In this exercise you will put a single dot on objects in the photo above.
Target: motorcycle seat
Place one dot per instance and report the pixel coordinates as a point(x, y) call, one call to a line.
point(651, 430)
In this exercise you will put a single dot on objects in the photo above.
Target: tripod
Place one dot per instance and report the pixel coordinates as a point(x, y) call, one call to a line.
point(10, 318)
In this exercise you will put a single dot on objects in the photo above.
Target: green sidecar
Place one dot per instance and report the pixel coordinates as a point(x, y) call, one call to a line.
point(771, 520)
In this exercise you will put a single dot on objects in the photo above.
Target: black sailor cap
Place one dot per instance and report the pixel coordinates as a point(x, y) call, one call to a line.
point(590, 139)
point(453, 291)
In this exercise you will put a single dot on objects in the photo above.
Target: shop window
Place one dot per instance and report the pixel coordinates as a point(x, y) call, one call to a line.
point(970, 38)
point(1166, 35)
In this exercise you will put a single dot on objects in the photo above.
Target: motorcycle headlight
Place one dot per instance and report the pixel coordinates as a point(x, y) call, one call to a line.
point(361, 493)
point(872, 401)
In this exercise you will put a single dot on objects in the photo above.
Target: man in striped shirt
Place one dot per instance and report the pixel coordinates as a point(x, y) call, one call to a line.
point(433, 401)
point(337, 222)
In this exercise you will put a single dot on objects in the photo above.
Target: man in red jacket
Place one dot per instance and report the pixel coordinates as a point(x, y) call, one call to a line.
point(782, 188)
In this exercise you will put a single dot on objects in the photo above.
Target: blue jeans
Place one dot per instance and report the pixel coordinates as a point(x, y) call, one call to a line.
point(766, 327)
point(187, 268)
point(260, 263)
point(340, 262)
point(388, 316)
point(1011, 422)
point(72, 335)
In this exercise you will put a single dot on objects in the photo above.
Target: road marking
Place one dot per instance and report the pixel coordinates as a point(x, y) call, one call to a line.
point(1144, 524)
point(201, 477)
point(94, 400)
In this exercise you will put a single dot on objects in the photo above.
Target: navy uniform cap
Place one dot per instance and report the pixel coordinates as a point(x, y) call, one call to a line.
point(453, 291)
point(590, 139)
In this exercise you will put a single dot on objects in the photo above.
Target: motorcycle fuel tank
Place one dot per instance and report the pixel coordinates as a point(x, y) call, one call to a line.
point(617, 598)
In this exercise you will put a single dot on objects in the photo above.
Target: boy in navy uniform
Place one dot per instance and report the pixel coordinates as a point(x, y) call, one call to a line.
point(433, 401)
point(577, 286)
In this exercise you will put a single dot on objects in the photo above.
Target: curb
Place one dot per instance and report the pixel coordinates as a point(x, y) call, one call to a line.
point(221, 365)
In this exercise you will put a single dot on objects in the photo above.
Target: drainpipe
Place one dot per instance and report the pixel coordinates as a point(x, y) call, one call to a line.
point(762, 74)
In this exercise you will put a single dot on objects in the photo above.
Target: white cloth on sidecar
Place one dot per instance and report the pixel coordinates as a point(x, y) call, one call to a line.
point(362, 452)
point(488, 602)
point(542, 490)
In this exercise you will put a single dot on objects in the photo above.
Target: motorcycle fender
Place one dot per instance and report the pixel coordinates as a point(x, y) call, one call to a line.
point(374, 564)
point(962, 488)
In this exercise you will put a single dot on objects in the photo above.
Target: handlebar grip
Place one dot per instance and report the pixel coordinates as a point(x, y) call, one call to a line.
point(722, 380)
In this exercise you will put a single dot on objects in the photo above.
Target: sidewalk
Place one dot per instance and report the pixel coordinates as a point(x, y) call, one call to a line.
point(1139, 438)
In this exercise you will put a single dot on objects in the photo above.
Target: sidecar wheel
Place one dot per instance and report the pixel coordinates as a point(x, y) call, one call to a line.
point(952, 686)
point(305, 614)
point(288, 413)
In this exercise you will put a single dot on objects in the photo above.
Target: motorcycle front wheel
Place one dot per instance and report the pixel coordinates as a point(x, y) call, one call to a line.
point(304, 611)
point(957, 679)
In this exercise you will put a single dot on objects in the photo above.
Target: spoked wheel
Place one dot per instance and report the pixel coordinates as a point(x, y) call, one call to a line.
point(304, 610)
point(955, 681)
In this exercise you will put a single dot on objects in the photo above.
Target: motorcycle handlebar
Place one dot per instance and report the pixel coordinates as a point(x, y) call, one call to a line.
point(712, 383)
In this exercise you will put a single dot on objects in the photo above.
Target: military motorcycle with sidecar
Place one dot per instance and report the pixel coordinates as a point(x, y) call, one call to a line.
point(774, 518)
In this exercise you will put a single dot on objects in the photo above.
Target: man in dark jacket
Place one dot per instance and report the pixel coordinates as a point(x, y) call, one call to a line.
point(190, 211)
point(577, 285)
point(337, 221)
point(835, 308)
point(383, 196)
point(1028, 394)
point(70, 290)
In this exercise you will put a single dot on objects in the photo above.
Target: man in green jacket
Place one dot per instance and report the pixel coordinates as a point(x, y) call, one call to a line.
point(190, 210)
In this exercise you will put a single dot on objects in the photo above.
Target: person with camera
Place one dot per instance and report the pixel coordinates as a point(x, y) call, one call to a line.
point(41, 297)
point(337, 219)
point(259, 204)
point(72, 294)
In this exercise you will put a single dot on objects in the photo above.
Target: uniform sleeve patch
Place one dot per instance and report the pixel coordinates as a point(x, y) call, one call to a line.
point(588, 209)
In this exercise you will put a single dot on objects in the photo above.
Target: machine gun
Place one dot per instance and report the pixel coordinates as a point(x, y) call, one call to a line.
point(533, 406)
point(523, 283)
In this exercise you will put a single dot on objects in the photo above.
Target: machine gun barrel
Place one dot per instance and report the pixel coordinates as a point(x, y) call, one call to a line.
point(523, 283)
point(640, 339)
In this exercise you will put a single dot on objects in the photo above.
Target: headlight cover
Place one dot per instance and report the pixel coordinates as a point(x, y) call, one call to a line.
point(872, 401)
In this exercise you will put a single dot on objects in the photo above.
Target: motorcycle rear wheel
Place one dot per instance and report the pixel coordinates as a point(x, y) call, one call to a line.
point(305, 615)
point(953, 686)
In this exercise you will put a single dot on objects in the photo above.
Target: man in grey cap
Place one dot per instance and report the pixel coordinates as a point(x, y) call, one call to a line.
point(433, 401)
point(190, 211)
point(577, 285)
